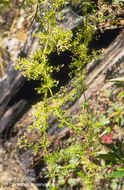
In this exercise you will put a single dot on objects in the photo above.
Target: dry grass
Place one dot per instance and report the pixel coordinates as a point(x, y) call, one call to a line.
point(4, 59)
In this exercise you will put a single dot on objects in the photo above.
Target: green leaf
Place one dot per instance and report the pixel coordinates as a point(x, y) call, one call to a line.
point(116, 174)
point(108, 157)
point(107, 130)
point(81, 175)
point(117, 80)
point(120, 169)
point(102, 123)
point(121, 94)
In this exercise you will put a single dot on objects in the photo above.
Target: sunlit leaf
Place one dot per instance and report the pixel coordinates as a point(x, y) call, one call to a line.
point(121, 94)
point(107, 130)
point(81, 175)
point(102, 123)
point(117, 80)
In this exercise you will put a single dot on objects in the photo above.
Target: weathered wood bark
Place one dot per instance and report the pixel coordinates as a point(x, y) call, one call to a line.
point(9, 87)
point(11, 116)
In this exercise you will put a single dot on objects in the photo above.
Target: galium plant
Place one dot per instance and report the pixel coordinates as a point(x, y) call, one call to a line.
point(53, 38)
point(77, 159)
